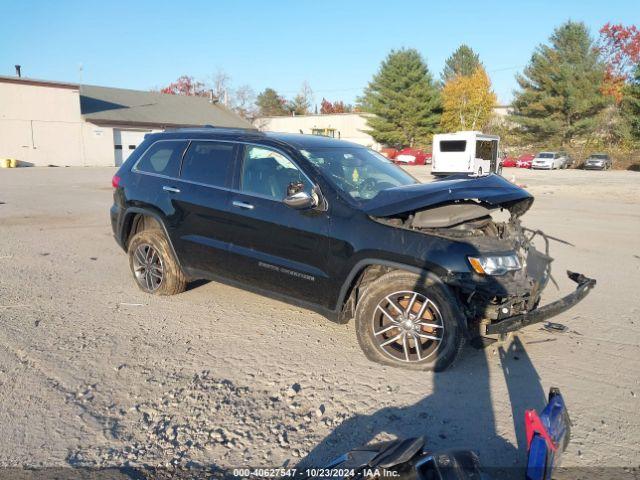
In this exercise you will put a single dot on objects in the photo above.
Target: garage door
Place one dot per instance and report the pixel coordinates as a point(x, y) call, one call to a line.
point(125, 142)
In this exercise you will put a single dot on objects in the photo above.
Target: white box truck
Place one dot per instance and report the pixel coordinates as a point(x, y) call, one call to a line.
point(472, 153)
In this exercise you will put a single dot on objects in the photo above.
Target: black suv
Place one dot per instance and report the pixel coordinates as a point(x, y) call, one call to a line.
point(338, 228)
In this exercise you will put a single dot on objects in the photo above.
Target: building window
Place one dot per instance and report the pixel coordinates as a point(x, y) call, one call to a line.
point(118, 147)
point(132, 147)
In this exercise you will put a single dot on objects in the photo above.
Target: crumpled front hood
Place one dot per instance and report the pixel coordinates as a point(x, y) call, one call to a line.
point(492, 190)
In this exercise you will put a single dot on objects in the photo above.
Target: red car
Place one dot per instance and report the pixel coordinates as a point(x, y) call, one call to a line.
point(509, 162)
point(412, 156)
point(390, 153)
point(524, 161)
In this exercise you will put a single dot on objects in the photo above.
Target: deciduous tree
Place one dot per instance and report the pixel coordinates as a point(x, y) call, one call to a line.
point(186, 85)
point(244, 102)
point(404, 99)
point(467, 102)
point(327, 107)
point(620, 48)
point(560, 90)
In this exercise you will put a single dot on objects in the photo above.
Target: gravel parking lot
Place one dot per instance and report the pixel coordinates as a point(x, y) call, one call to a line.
point(94, 372)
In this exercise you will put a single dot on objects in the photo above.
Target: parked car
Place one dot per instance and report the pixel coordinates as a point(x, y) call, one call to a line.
point(525, 161)
point(389, 152)
point(412, 156)
point(335, 227)
point(549, 161)
point(568, 161)
point(598, 161)
point(508, 162)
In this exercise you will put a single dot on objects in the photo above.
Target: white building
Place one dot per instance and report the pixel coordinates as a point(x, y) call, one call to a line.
point(346, 126)
point(56, 123)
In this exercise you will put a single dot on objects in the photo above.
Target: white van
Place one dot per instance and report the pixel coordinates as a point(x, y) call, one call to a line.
point(465, 152)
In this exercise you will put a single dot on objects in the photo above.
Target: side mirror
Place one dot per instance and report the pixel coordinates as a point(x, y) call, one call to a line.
point(300, 201)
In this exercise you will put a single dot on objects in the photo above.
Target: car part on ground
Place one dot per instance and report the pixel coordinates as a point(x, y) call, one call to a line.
point(548, 435)
point(333, 226)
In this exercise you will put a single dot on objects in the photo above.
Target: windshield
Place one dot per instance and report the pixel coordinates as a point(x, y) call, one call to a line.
point(545, 155)
point(359, 172)
point(599, 156)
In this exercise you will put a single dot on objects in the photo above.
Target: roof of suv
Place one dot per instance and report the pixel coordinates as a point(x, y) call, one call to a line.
point(296, 140)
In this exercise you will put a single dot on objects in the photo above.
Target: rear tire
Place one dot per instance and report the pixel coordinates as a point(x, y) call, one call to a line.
point(427, 337)
point(153, 265)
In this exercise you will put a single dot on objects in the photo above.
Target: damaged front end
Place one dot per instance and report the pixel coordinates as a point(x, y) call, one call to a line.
point(501, 290)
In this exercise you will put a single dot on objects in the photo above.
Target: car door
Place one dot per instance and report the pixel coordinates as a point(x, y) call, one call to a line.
point(201, 197)
point(156, 173)
point(274, 246)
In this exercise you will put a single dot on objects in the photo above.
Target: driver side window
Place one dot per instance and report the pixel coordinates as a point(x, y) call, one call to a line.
point(268, 173)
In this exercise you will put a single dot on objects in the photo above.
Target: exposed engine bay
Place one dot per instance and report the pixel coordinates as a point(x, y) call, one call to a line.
point(487, 298)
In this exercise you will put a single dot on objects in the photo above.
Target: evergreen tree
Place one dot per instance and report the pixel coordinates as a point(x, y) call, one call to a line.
point(464, 61)
point(560, 90)
point(404, 99)
point(271, 104)
point(468, 102)
point(630, 107)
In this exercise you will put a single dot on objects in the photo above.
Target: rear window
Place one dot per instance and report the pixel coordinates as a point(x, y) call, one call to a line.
point(208, 162)
point(453, 145)
point(162, 158)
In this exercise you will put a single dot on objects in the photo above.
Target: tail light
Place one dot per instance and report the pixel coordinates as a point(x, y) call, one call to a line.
point(115, 181)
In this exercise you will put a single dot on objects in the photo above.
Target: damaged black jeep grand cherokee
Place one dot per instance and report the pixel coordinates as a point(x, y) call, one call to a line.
point(338, 228)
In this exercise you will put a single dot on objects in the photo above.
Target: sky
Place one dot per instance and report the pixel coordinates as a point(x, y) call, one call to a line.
point(336, 46)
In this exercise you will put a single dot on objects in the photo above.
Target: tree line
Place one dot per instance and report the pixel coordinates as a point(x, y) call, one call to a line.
point(574, 89)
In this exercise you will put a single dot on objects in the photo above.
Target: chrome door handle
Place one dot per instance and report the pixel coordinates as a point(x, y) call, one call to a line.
point(171, 189)
point(244, 205)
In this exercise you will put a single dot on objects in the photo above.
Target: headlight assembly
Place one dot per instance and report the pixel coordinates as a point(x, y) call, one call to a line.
point(495, 264)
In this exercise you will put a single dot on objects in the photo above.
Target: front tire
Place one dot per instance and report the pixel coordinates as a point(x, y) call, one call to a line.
point(153, 265)
point(405, 321)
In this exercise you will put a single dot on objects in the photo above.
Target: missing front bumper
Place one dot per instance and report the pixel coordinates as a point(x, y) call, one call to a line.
point(517, 322)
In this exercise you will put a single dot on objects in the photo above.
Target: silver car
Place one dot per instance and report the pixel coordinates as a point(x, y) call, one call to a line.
point(549, 161)
point(598, 161)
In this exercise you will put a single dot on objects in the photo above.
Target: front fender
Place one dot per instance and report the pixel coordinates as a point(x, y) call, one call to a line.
point(423, 274)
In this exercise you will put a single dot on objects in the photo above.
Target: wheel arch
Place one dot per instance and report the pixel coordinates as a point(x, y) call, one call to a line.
point(130, 226)
point(347, 299)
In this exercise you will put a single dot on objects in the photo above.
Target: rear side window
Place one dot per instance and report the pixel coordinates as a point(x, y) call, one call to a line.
point(163, 158)
point(453, 145)
point(208, 162)
point(486, 149)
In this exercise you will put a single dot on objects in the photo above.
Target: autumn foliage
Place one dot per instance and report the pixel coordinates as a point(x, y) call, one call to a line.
point(467, 101)
point(327, 107)
point(620, 49)
point(186, 85)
